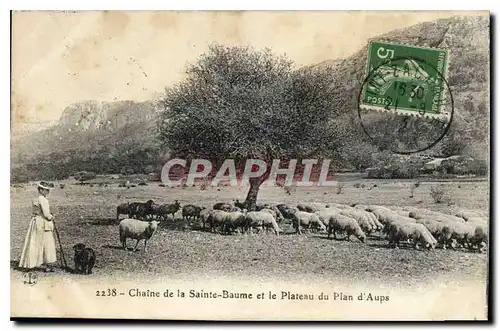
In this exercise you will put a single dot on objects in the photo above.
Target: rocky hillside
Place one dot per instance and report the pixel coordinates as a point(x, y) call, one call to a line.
point(120, 136)
point(94, 136)
point(467, 38)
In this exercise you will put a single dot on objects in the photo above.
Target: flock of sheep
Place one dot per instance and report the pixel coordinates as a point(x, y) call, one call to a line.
point(416, 226)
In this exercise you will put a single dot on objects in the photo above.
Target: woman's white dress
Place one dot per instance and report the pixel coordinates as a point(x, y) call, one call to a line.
point(39, 246)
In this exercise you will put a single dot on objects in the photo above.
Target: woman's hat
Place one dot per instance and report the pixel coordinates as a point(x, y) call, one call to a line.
point(46, 185)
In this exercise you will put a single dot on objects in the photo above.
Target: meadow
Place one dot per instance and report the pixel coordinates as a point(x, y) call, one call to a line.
point(88, 215)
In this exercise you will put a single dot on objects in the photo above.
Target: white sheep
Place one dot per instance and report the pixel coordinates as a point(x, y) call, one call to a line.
point(466, 214)
point(307, 220)
point(408, 231)
point(385, 215)
point(136, 229)
point(336, 205)
point(325, 214)
point(347, 225)
point(216, 219)
point(426, 213)
point(204, 214)
point(436, 229)
point(261, 219)
point(234, 220)
point(462, 233)
point(478, 220)
point(309, 207)
point(374, 220)
point(275, 212)
point(361, 217)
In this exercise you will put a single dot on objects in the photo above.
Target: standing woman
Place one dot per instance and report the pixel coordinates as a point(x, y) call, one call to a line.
point(39, 248)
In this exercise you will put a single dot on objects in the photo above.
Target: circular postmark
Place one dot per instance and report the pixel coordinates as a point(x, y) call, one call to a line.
point(30, 278)
point(405, 104)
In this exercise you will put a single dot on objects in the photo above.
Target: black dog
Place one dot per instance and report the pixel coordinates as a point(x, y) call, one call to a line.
point(84, 259)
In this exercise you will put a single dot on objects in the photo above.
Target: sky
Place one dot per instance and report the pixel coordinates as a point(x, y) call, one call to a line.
point(59, 58)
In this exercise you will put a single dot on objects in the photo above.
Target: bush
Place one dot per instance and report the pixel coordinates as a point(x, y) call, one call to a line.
point(437, 193)
point(463, 165)
point(84, 176)
point(340, 188)
point(388, 166)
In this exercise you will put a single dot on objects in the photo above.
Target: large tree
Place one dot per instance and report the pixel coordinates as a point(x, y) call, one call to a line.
point(241, 103)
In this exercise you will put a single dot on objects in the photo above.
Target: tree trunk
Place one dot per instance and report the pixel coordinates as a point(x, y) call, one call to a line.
point(251, 199)
point(255, 183)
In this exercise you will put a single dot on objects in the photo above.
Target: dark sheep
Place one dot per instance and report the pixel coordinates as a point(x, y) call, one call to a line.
point(168, 209)
point(141, 210)
point(287, 211)
point(84, 259)
point(259, 207)
point(307, 207)
point(189, 211)
point(124, 208)
point(239, 204)
point(223, 206)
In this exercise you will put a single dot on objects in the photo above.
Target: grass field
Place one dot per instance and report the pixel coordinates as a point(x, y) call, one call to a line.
point(86, 214)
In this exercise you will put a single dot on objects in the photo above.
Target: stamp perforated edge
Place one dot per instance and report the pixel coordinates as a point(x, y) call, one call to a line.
point(442, 115)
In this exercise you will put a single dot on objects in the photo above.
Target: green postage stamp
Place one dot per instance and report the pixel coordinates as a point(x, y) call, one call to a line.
point(406, 80)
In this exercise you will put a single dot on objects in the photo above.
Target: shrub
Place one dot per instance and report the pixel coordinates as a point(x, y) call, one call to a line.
point(438, 193)
point(413, 187)
point(84, 176)
point(340, 188)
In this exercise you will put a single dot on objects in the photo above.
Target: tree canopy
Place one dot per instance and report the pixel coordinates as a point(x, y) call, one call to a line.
point(241, 103)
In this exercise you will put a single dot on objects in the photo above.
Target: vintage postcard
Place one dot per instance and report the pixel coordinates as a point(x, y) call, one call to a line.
point(250, 165)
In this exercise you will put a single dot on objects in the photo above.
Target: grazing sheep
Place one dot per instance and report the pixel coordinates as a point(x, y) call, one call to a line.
point(124, 208)
point(477, 220)
point(138, 230)
point(155, 211)
point(374, 220)
point(84, 259)
point(270, 211)
point(418, 213)
point(336, 205)
point(384, 215)
point(436, 229)
point(168, 209)
point(363, 220)
point(403, 213)
point(216, 219)
point(307, 207)
point(405, 231)
point(287, 211)
point(222, 206)
point(347, 225)
point(239, 204)
point(480, 238)
point(190, 211)
point(204, 214)
point(140, 210)
point(308, 221)
point(259, 207)
point(325, 214)
point(233, 221)
point(262, 219)
point(466, 214)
